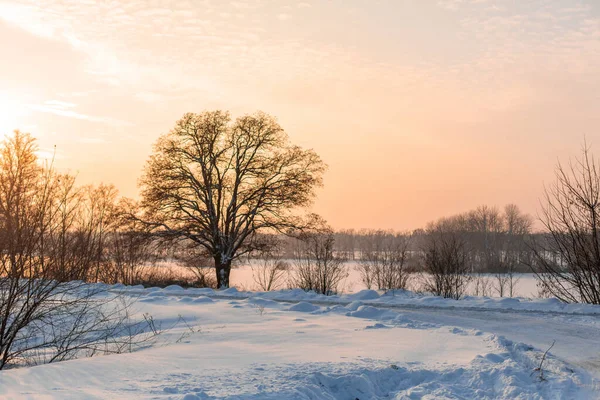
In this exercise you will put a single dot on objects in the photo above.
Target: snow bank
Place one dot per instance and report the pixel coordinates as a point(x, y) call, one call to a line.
point(303, 307)
point(202, 299)
point(371, 297)
point(364, 295)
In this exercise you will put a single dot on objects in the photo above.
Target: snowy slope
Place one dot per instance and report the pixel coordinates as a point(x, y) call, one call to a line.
point(303, 346)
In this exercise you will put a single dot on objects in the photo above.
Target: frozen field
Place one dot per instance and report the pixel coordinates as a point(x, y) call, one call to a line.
point(296, 345)
point(242, 277)
point(525, 287)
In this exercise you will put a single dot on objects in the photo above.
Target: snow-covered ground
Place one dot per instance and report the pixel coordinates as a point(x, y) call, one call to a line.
point(296, 345)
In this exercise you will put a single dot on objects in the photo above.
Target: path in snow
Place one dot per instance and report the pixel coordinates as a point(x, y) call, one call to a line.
point(577, 336)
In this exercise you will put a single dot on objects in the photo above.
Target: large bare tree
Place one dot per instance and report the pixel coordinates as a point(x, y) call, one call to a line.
point(218, 182)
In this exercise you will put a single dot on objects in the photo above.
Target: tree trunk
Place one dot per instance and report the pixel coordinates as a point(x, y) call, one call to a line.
point(222, 270)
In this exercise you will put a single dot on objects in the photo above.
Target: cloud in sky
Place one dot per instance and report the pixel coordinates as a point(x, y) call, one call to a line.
point(66, 109)
point(182, 44)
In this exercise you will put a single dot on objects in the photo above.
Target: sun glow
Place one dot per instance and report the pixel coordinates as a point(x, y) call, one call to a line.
point(12, 112)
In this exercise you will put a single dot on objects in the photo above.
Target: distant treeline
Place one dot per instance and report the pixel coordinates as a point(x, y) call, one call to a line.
point(495, 240)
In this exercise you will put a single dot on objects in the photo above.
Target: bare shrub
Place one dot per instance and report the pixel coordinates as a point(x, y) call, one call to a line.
point(46, 321)
point(445, 264)
point(270, 273)
point(505, 283)
point(318, 268)
point(162, 276)
point(482, 285)
point(43, 319)
point(269, 270)
point(367, 274)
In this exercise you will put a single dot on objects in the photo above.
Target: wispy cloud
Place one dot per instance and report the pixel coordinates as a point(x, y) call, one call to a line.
point(65, 109)
point(228, 50)
point(186, 46)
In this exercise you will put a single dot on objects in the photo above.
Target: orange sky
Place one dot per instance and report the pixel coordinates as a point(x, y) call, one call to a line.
point(420, 108)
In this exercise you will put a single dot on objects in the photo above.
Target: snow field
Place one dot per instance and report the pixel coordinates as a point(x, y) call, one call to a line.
point(256, 346)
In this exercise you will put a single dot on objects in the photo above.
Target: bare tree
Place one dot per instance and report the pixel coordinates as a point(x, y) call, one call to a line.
point(445, 263)
point(218, 183)
point(317, 267)
point(43, 319)
point(567, 263)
